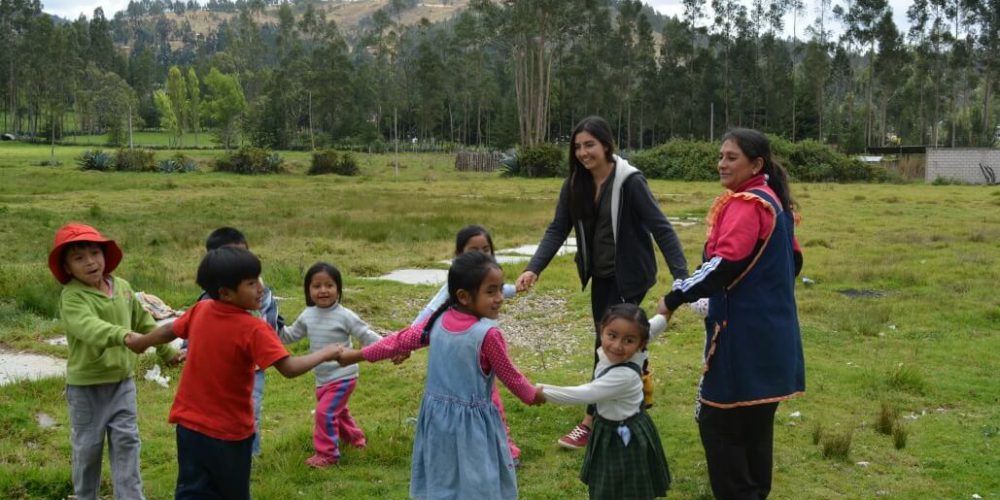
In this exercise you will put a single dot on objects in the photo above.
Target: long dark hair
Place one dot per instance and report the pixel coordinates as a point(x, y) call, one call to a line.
point(323, 267)
point(581, 198)
point(467, 233)
point(629, 312)
point(467, 272)
point(756, 145)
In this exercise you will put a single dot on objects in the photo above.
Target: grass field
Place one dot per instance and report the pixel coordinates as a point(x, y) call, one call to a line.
point(919, 338)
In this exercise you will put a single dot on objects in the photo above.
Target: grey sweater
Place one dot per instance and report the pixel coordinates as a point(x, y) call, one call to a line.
point(325, 326)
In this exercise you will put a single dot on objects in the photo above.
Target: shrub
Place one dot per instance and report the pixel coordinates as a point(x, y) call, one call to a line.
point(679, 159)
point(95, 159)
point(329, 162)
point(250, 160)
point(134, 160)
point(178, 163)
point(542, 160)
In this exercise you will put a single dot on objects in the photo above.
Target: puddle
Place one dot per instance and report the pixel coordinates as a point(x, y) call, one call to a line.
point(438, 276)
point(417, 276)
point(15, 367)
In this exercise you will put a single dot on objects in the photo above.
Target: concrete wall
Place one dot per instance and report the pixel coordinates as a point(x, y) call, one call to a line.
point(962, 164)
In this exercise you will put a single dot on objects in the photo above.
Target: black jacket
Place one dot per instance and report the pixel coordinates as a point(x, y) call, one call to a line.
point(634, 216)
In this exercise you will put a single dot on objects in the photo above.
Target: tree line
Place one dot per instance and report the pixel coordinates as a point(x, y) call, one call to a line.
point(281, 74)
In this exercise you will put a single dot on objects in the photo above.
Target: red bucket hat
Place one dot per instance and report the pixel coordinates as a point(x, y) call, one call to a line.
point(75, 232)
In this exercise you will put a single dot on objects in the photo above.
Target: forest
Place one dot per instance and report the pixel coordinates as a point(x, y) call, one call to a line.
point(286, 75)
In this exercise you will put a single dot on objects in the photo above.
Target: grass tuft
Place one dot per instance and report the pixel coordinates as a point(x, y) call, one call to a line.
point(906, 379)
point(899, 435)
point(886, 419)
point(837, 445)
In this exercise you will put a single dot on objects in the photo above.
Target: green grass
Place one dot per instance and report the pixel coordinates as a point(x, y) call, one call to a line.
point(204, 139)
point(926, 346)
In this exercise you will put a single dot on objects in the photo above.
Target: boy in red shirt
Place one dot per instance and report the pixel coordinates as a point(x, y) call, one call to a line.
point(213, 409)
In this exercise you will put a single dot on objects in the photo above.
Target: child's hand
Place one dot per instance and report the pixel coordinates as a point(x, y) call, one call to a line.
point(400, 358)
point(132, 341)
point(539, 396)
point(179, 358)
point(661, 308)
point(332, 352)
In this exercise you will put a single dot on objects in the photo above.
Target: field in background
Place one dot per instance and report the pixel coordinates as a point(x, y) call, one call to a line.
point(901, 312)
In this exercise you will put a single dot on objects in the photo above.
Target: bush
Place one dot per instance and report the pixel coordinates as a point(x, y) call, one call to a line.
point(135, 160)
point(542, 160)
point(329, 162)
point(95, 159)
point(178, 163)
point(679, 159)
point(250, 160)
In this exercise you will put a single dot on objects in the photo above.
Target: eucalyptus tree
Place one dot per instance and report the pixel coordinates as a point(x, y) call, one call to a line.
point(861, 21)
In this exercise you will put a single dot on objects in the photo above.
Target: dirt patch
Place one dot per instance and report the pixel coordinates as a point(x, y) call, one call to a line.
point(16, 366)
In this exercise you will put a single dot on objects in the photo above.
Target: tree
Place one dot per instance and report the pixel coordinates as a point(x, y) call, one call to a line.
point(224, 105)
point(176, 90)
point(168, 119)
point(193, 103)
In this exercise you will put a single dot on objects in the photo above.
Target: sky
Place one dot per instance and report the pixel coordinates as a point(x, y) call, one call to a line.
point(809, 14)
point(71, 9)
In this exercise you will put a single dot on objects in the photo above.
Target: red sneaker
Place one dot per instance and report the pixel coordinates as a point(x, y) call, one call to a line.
point(320, 462)
point(577, 438)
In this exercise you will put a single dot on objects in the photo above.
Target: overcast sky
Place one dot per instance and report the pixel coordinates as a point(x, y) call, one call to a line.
point(71, 9)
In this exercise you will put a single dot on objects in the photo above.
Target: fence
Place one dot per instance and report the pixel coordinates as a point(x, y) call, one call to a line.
point(478, 161)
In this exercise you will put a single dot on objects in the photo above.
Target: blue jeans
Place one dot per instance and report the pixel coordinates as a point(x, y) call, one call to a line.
point(258, 400)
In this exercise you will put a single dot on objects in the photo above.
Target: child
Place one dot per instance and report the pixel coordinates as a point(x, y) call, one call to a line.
point(460, 450)
point(473, 238)
point(267, 309)
point(624, 457)
point(212, 409)
point(99, 311)
point(326, 322)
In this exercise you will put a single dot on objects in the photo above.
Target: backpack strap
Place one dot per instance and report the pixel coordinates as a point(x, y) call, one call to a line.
point(627, 364)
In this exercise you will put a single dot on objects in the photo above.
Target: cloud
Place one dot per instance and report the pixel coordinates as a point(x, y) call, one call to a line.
point(70, 9)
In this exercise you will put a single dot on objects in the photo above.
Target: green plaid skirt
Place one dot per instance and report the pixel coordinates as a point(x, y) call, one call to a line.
point(614, 471)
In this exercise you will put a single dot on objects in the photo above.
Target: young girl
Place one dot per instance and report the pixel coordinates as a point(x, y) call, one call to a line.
point(460, 450)
point(327, 322)
point(624, 456)
point(473, 238)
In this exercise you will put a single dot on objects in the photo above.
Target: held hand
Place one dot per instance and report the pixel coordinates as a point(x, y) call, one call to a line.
point(525, 281)
point(332, 352)
point(179, 358)
point(400, 358)
point(134, 343)
point(661, 308)
point(539, 396)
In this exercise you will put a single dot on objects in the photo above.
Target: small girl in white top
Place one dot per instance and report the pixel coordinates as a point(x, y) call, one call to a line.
point(624, 458)
point(325, 321)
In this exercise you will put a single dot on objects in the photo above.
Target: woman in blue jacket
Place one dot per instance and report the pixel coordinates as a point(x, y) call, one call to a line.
point(608, 204)
point(753, 349)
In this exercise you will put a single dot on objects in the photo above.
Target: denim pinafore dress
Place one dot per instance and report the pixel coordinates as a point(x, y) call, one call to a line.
point(460, 450)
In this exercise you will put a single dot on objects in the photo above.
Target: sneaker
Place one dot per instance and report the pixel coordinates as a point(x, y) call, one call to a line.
point(577, 438)
point(320, 462)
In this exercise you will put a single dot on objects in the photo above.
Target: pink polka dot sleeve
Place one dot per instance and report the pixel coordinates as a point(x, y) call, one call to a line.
point(494, 355)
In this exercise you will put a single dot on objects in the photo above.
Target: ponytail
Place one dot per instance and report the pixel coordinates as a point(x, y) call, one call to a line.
point(425, 334)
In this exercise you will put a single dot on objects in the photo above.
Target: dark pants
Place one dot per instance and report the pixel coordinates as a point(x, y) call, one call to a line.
point(604, 294)
point(739, 445)
point(212, 468)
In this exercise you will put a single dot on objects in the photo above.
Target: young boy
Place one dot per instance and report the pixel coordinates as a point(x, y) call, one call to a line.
point(98, 312)
point(268, 310)
point(212, 409)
